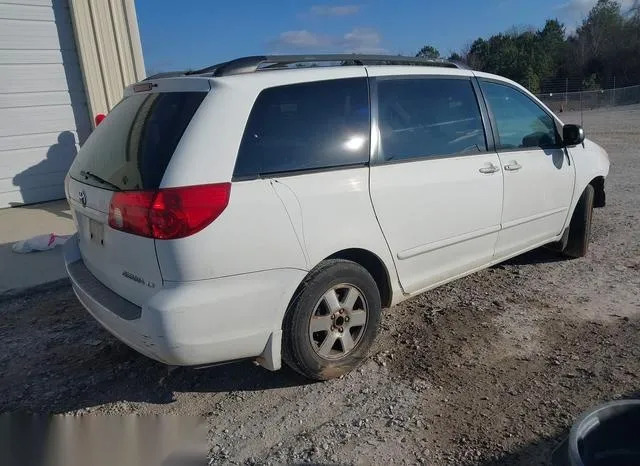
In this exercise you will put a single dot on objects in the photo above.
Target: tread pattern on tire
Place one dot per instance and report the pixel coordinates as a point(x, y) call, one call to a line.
point(291, 352)
point(580, 226)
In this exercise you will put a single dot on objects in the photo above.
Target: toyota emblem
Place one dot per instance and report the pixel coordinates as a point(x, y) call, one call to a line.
point(83, 198)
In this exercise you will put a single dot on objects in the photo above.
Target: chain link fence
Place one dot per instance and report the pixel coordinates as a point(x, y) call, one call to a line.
point(590, 100)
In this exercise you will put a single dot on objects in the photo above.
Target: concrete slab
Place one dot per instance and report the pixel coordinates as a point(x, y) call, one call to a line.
point(19, 271)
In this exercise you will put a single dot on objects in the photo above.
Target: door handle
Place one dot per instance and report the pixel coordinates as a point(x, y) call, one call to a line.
point(513, 166)
point(489, 168)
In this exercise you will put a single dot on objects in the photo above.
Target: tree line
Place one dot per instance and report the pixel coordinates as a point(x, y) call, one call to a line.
point(603, 49)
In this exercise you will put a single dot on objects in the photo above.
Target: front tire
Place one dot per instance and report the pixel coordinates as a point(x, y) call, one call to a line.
point(332, 321)
point(580, 226)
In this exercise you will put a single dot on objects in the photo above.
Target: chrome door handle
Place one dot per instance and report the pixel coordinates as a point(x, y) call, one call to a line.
point(513, 166)
point(489, 168)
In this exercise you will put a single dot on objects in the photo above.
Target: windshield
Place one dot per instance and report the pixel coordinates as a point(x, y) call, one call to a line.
point(131, 149)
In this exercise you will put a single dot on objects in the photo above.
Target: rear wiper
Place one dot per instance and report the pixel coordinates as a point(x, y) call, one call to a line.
point(95, 177)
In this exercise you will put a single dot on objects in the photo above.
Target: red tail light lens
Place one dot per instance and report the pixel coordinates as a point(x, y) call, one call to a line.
point(129, 211)
point(169, 213)
point(180, 212)
point(99, 118)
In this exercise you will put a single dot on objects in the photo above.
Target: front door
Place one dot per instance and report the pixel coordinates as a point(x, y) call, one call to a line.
point(435, 187)
point(538, 173)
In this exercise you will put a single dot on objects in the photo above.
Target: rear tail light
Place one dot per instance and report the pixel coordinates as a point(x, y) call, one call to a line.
point(169, 213)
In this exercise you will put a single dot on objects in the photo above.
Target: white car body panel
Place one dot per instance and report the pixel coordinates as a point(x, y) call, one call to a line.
point(198, 322)
point(537, 197)
point(440, 216)
point(123, 262)
point(251, 235)
point(331, 211)
point(400, 70)
point(221, 293)
point(590, 161)
point(193, 84)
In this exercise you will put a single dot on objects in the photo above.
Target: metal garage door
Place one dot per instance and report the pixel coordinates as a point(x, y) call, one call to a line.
point(43, 110)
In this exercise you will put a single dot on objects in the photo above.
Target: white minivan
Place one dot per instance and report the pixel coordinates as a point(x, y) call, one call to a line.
point(268, 208)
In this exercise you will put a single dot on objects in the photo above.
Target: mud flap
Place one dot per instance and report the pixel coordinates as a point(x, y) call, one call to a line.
point(560, 246)
point(271, 357)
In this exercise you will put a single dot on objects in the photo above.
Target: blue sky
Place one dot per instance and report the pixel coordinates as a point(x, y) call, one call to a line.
point(195, 33)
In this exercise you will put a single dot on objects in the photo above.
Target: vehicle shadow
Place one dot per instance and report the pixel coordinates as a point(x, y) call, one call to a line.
point(541, 255)
point(57, 359)
point(140, 379)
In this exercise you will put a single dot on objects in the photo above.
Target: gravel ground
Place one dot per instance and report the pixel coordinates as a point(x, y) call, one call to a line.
point(491, 369)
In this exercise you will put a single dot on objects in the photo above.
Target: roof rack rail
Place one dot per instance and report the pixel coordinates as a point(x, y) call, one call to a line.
point(166, 74)
point(268, 62)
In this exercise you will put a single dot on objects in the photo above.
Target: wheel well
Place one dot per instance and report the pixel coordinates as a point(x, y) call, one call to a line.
point(598, 186)
point(374, 265)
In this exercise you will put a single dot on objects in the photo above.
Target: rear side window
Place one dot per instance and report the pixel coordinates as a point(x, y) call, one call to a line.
point(306, 126)
point(422, 117)
point(131, 148)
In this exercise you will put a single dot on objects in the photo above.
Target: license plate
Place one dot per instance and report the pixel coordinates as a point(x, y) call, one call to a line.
point(96, 232)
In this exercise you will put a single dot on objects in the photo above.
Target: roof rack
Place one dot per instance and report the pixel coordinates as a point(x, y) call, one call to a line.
point(167, 74)
point(268, 62)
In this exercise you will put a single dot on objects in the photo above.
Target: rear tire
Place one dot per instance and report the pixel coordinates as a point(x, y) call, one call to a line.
point(332, 321)
point(580, 227)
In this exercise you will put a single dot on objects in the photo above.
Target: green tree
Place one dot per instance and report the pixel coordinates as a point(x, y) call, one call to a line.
point(477, 54)
point(429, 52)
point(608, 44)
point(602, 27)
point(532, 80)
point(604, 47)
point(591, 83)
point(553, 46)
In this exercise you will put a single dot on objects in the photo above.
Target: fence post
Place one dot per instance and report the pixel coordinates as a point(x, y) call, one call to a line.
point(581, 112)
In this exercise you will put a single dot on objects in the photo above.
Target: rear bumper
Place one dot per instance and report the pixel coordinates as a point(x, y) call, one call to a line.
point(192, 323)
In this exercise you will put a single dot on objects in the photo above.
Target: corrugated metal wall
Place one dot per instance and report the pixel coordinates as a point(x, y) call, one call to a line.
point(109, 47)
point(43, 105)
point(61, 63)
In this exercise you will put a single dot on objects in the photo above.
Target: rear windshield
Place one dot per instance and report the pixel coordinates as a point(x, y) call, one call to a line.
point(130, 150)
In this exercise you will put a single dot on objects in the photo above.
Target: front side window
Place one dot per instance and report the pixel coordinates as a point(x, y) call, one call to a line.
point(428, 117)
point(314, 125)
point(521, 123)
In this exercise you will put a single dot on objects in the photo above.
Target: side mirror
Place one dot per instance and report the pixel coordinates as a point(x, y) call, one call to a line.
point(572, 135)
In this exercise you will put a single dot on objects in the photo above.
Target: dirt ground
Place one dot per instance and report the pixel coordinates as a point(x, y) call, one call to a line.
point(491, 369)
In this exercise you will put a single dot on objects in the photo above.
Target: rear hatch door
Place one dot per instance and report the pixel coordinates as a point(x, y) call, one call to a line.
point(129, 151)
